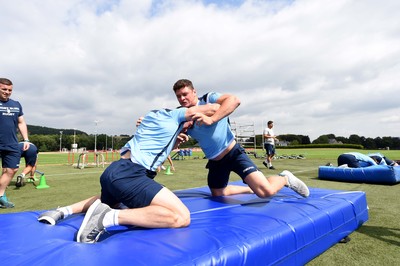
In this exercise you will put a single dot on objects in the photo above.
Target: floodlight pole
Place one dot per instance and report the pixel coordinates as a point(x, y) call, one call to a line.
point(96, 122)
point(60, 140)
point(95, 135)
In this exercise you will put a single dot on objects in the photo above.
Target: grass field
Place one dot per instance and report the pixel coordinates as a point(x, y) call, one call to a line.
point(377, 242)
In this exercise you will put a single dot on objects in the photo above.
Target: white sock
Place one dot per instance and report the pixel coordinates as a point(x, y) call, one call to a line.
point(67, 211)
point(111, 218)
point(22, 174)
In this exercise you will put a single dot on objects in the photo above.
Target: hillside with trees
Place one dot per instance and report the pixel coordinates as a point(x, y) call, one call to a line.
point(53, 139)
point(50, 139)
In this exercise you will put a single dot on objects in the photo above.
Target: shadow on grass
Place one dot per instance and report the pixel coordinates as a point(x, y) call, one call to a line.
point(388, 235)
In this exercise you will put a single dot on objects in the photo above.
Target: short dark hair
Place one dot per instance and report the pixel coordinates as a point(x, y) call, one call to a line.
point(270, 122)
point(5, 81)
point(182, 83)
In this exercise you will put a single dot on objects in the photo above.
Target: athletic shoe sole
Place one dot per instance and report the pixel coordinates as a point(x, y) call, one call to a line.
point(20, 181)
point(296, 184)
point(51, 217)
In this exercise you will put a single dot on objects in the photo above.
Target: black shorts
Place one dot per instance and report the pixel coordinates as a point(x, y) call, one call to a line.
point(128, 183)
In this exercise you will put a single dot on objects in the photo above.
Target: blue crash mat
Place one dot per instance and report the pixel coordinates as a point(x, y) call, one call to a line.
point(376, 174)
point(236, 230)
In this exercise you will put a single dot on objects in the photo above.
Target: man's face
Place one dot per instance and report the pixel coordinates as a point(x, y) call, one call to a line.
point(5, 92)
point(186, 96)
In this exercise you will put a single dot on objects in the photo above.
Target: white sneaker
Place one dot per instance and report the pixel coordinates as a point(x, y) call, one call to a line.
point(296, 184)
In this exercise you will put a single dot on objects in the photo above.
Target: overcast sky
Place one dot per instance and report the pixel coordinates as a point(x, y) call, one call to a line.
point(314, 67)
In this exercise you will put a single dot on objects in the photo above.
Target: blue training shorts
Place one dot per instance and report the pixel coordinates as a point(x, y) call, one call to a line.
point(128, 183)
point(269, 149)
point(348, 159)
point(30, 156)
point(236, 160)
point(10, 158)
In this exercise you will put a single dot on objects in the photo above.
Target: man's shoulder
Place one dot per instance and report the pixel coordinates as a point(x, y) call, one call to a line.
point(209, 97)
point(11, 102)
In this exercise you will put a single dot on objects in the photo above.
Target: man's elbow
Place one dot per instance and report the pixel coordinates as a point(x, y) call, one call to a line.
point(236, 101)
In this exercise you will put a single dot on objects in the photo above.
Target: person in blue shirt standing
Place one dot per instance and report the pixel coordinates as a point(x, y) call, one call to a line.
point(30, 155)
point(129, 182)
point(224, 155)
point(11, 118)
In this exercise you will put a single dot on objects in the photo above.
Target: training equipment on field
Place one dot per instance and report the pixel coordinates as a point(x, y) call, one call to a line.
point(42, 182)
point(285, 229)
point(376, 174)
point(168, 171)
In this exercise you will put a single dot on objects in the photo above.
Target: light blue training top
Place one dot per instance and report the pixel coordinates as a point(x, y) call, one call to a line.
point(382, 162)
point(364, 160)
point(213, 139)
point(155, 137)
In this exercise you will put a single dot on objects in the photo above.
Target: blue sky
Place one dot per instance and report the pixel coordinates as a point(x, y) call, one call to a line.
point(314, 67)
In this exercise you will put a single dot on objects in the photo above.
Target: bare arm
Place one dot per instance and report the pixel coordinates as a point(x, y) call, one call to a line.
point(200, 112)
point(23, 129)
point(228, 103)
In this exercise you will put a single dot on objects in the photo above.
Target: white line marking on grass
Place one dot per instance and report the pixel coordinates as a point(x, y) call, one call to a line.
point(80, 173)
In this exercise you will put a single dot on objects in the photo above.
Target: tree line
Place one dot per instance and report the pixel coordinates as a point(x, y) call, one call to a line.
point(50, 139)
point(392, 143)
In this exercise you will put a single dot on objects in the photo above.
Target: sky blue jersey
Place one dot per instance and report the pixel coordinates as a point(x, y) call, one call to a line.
point(213, 139)
point(155, 137)
point(364, 160)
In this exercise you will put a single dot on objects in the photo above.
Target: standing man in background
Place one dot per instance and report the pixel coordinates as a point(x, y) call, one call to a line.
point(11, 118)
point(269, 144)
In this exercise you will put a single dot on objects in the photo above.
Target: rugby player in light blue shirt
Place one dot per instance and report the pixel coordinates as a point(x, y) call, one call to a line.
point(129, 182)
point(217, 141)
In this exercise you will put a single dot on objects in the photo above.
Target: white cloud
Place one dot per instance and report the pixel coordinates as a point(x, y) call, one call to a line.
point(314, 67)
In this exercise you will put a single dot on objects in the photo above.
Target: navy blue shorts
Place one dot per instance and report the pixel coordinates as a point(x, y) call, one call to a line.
point(10, 158)
point(128, 183)
point(348, 159)
point(269, 149)
point(235, 161)
point(30, 156)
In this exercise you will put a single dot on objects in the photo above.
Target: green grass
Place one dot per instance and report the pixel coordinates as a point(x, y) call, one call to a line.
point(377, 242)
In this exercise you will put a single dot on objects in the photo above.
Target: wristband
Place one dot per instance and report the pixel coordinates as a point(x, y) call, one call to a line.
point(26, 140)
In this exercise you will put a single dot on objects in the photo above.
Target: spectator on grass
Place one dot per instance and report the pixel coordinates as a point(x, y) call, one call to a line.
point(30, 155)
point(130, 181)
point(224, 154)
point(11, 118)
point(269, 145)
